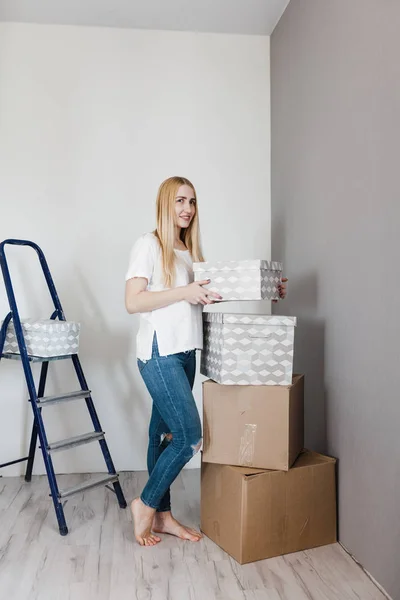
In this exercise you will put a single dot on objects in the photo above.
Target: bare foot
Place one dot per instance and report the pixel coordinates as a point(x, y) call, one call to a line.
point(142, 520)
point(165, 523)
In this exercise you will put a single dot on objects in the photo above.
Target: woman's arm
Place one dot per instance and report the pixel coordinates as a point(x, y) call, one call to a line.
point(138, 299)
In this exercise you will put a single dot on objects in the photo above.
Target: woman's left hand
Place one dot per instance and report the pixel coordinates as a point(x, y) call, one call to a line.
point(282, 289)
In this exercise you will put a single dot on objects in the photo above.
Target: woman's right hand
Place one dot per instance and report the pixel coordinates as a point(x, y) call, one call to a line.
point(196, 294)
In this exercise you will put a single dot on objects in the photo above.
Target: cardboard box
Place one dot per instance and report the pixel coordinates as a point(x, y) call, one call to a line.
point(243, 349)
point(251, 426)
point(254, 514)
point(44, 338)
point(241, 279)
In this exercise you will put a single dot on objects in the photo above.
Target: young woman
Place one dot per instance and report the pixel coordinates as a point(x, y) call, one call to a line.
point(160, 286)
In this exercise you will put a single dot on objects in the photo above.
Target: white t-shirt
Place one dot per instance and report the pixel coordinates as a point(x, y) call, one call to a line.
point(178, 326)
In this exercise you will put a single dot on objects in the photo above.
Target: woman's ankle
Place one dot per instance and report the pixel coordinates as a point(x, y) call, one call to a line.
point(143, 507)
point(163, 514)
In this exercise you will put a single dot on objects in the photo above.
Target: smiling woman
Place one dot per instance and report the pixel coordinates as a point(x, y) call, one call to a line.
point(160, 286)
point(177, 223)
point(183, 213)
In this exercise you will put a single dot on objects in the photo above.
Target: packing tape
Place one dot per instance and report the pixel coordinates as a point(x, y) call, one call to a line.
point(247, 445)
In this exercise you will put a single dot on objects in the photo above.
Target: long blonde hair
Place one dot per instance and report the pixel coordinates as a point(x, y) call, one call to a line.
point(165, 231)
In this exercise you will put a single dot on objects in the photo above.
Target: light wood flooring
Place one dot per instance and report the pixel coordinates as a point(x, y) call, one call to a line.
point(99, 559)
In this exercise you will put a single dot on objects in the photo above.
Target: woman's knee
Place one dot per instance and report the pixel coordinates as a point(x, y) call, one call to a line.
point(187, 442)
point(196, 446)
point(193, 447)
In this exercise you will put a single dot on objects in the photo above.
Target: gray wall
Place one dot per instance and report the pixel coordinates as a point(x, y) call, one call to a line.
point(335, 76)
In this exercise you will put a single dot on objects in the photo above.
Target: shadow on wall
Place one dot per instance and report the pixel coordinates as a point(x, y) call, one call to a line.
point(107, 361)
point(33, 301)
point(309, 351)
point(309, 348)
point(278, 242)
point(112, 352)
point(310, 360)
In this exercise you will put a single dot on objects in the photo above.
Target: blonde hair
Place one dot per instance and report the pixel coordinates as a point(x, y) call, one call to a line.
point(165, 231)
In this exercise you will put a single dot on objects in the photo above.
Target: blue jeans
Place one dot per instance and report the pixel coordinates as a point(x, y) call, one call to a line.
point(169, 380)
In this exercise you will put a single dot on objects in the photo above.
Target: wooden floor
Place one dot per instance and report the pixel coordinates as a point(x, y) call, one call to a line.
point(99, 560)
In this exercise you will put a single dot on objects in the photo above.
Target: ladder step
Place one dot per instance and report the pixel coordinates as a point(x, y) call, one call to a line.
point(86, 485)
point(78, 440)
point(35, 359)
point(46, 400)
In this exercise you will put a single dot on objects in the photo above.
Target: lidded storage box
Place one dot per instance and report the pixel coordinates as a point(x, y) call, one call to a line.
point(44, 338)
point(242, 279)
point(241, 349)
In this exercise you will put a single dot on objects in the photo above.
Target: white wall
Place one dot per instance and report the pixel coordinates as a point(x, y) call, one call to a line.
point(91, 121)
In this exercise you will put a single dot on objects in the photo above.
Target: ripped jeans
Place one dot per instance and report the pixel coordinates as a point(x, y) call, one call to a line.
point(169, 380)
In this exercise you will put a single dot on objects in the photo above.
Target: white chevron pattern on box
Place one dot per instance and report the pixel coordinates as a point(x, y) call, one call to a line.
point(45, 338)
point(241, 280)
point(248, 349)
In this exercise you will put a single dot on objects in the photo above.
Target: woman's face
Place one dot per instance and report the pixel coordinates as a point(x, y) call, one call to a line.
point(185, 206)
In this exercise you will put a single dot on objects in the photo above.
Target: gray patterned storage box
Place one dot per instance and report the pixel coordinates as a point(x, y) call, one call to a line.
point(242, 349)
point(44, 338)
point(242, 279)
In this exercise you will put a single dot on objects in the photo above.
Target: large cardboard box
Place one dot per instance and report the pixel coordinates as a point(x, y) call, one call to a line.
point(253, 426)
point(254, 514)
point(241, 279)
point(245, 349)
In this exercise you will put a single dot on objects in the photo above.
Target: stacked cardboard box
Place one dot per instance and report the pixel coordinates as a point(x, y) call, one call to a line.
point(253, 426)
point(262, 494)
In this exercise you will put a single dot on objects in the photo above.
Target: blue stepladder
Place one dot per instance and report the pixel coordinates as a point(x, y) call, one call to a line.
point(39, 401)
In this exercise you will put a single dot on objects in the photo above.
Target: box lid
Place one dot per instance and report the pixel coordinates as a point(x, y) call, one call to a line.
point(236, 265)
point(249, 471)
point(245, 319)
point(306, 459)
point(45, 325)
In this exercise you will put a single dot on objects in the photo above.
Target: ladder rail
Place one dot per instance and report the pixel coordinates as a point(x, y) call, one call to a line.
point(34, 434)
point(97, 427)
point(38, 425)
point(3, 332)
point(38, 422)
point(46, 272)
